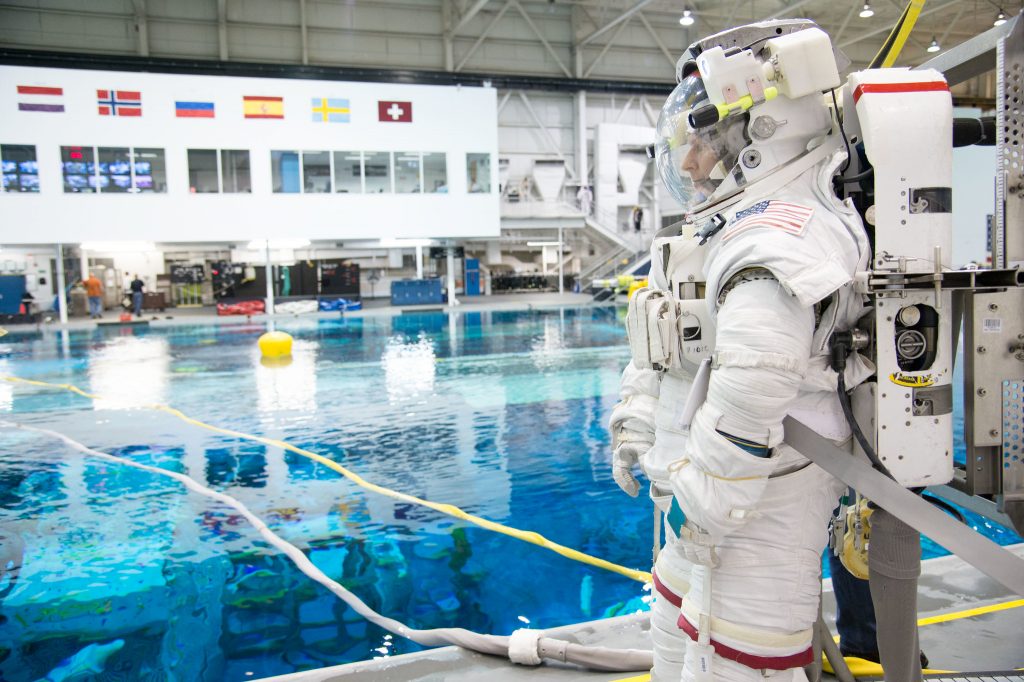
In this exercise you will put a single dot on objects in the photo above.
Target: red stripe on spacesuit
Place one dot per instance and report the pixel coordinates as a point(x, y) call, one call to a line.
point(929, 86)
point(801, 658)
point(665, 592)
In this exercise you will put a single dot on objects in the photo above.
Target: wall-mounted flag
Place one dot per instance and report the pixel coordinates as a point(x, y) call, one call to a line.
point(394, 112)
point(331, 110)
point(194, 109)
point(39, 98)
point(119, 102)
point(263, 107)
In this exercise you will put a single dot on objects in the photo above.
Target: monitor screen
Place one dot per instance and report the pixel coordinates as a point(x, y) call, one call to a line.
point(28, 166)
point(76, 181)
point(101, 181)
point(119, 167)
point(76, 167)
point(143, 181)
point(29, 182)
point(142, 167)
point(10, 166)
point(122, 181)
point(10, 180)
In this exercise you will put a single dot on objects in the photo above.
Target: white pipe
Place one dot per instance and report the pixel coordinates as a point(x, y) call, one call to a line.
point(419, 262)
point(451, 276)
point(270, 283)
point(62, 299)
point(561, 285)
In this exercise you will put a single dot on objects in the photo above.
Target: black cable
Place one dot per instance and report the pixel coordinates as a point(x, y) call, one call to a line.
point(839, 119)
point(844, 401)
point(945, 506)
point(860, 176)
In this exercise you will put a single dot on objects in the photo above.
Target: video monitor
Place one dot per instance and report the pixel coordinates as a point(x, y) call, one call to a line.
point(142, 167)
point(77, 182)
point(31, 167)
point(101, 181)
point(10, 180)
point(119, 168)
point(76, 168)
point(143, 181)
point(90, 168)
point(10, 167)
point(104, 167)
point(29, 183)
point(122, 181)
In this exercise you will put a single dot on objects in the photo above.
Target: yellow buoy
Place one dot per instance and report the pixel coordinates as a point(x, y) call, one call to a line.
point(275, 345)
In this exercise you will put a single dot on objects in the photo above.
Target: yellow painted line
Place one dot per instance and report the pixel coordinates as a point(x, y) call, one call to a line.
point(449, 509)
point(970, 613)
point(638, 678)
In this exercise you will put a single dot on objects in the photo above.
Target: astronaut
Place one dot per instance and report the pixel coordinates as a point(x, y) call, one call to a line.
point(732, 336)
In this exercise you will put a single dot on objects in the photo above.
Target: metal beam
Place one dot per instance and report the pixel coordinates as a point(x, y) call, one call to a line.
point(956, 20)
point(543, 40)
point(846, 22)
point(483, 36)
point(141, 27)
point(648, 112)
point(467, 17)
point(551, 141)
point(222, 29)
point(303, 32)
point(616, 21)
point(657, 40)
point(973, 57)
point(504, 100)
point(787, 9)
point(625, 108)
point(604, 50)
point(446, 37)
point(888, 29)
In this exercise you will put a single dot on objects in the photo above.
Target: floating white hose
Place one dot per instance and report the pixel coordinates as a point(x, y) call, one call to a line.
point(596, 658)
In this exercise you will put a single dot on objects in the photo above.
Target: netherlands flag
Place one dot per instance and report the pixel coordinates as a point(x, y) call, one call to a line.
point(780, 215)
point(194, 109)
point(119, 102)
point(40, 98)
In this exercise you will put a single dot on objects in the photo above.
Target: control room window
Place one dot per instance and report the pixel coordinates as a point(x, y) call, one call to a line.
point(234, 171)
point(407, 173)
point(348, 172)
point(79, 168)
point(316, 172)
point(115, 168)
point(285, 172)
point(20, 168)
point(202, 171)
point(435, 172)
point(377, 169)
point(478, 173)
point(149, 171)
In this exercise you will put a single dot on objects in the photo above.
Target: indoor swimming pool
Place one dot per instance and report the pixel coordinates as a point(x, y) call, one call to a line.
point(502, 414)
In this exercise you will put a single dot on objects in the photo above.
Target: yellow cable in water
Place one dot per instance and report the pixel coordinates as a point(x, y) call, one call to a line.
point(449, 509)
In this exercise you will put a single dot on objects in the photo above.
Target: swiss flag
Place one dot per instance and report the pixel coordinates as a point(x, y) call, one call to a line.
point(394, 112)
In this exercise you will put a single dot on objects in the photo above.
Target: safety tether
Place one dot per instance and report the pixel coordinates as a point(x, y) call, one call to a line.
point(449, 509)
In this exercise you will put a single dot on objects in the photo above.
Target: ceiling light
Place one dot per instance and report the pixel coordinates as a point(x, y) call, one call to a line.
point(867, 11)
point(687, 18)
point(1000, 19)
point(934, 45)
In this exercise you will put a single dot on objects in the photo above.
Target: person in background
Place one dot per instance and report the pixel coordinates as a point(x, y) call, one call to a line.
point(94, 290)
point(586, 198)
point(137, 287)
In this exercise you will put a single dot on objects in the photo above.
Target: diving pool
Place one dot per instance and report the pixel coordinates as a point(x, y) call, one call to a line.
point(500, 413)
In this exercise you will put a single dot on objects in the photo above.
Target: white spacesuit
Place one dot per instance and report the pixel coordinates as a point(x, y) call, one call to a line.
point(758, 290)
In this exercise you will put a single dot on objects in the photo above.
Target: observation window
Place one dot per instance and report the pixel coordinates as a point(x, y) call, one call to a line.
point(478, 173)
point(316, 172)
point(407, 173)
point(285, 172)
point(202, 171)
point(348, 172)
point(435, 172)
point(234, 171)
point(149, 171)
point(377, 170)
point(20, 168)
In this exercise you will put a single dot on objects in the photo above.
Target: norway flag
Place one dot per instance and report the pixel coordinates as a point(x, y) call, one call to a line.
point(119, 102)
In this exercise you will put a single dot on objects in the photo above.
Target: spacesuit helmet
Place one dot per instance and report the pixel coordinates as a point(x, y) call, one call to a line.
point(748, 101)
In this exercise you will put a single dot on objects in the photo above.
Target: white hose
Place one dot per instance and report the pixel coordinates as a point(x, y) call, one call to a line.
point(597, 658)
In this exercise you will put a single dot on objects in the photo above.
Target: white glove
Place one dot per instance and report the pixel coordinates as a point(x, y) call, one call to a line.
point(626, 456)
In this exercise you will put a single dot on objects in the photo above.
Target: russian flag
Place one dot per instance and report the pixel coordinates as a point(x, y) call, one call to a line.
point(194, 109)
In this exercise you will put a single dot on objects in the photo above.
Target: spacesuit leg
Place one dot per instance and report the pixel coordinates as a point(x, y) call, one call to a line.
point(671, 583)
point(894, 563)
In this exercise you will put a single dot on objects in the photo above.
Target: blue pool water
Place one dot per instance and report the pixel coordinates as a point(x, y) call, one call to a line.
point(500, 413)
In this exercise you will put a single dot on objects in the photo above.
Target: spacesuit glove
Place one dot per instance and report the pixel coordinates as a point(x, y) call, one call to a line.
point(626, 456)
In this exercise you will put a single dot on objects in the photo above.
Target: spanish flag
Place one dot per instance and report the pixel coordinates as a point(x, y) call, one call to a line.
point(263, 107)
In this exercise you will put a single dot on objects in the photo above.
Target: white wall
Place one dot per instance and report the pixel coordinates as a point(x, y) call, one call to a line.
point(453, 120)
point(974, 189)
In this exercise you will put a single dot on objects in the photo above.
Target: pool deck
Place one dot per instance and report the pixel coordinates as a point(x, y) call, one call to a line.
point(374, 307)
point(991, 641)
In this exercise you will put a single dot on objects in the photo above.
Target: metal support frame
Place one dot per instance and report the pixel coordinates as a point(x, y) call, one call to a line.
point(604, 50)
point(541, 38)
point(657, 39)
point(222, 29)
point(483, 36)
point(625, 109)
point(547, 135)
point(886, 29)
point(141, 27)
point(304, 31)
point(616, 21)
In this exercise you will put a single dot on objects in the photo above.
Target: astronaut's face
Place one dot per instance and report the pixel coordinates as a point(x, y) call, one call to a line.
point(699, 162)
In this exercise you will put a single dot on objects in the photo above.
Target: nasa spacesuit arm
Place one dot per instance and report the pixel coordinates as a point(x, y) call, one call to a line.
point(632, 424)
point(762, 351)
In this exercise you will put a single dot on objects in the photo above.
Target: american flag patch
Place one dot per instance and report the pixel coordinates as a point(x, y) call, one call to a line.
point(781, 215)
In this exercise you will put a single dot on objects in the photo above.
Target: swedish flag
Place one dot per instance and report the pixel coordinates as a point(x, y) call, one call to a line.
point(330, 110)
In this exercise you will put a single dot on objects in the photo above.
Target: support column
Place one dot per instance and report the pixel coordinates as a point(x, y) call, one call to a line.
point(582, 168)
point(270, 282)
point(304, 31)
point(85, 262)
point(62, 299)
point(451, 276)
point(561, 281)
point(419, 262)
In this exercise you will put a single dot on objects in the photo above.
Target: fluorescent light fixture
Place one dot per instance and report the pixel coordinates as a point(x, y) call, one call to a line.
point(118, 246)
point(542, 243)
point(404, 243)
point(1000, 19)
point(867, 11)
point(934, 45)
point(687, 18)
point(278, 244)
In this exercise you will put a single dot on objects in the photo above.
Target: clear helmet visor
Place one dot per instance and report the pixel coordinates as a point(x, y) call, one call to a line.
point(698, 166)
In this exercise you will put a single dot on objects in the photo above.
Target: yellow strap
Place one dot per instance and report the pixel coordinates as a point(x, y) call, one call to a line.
point(902, 29)
point(449, 509)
